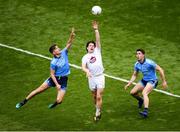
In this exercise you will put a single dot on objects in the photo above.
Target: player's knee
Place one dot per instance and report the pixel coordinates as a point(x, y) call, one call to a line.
point(59, 101)
point(39, 90)
point(36, 91)
point(144, 93)
point(132, 92)
point(98, 97)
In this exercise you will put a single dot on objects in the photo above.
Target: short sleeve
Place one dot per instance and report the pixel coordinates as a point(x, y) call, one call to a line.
point(65, 51)
point(84, 61)
point(52, 66)
point(152, 63)
point(136, 68)
point(98, 50)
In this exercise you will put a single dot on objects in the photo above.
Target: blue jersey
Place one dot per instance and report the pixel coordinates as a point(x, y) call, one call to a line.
point(60, 64)
point(148, 69)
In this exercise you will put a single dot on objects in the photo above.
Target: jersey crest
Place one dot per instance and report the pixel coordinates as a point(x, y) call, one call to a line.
point(92, 59)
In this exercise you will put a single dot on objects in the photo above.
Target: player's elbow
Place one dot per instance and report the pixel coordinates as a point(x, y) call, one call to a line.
point(52, 74)
point(134, 76)
point(160, 70)
point(83, 68)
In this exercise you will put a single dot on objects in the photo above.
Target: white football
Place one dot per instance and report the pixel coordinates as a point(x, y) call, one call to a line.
point(96, 10)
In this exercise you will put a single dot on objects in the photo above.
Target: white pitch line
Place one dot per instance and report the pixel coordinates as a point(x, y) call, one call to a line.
point(78, 67)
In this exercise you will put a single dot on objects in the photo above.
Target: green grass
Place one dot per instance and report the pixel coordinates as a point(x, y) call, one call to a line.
point(76, 111)
point(125, 25)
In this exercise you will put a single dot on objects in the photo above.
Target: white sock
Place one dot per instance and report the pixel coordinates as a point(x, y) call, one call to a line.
point(98, 111)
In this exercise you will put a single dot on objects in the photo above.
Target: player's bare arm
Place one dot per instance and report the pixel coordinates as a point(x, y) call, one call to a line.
point(71, 38)
point(54, 79)
point(97, 35)
point(133, 78)
point(86, 70)
point(162, 75)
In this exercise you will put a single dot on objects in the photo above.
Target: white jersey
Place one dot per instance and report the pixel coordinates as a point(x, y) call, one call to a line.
point(93, 61)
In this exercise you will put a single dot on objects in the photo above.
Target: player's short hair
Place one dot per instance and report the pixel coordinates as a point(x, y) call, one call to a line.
point(89, 43)
point(52, 48)
point(141, 50)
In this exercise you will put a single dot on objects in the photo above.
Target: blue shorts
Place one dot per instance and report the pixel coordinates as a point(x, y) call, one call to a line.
point(61, 80)
point(153, 82)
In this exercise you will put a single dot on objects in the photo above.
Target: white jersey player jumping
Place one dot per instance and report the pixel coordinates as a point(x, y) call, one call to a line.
point(93, 67)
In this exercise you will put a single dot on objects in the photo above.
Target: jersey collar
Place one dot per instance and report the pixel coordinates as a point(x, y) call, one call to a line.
point(58, 56)
point(143, 61)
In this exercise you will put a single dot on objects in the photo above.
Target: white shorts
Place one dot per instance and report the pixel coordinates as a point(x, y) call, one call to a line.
point(96, 82)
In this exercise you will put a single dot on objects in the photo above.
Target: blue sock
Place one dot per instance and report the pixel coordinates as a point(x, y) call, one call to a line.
point(146, 109)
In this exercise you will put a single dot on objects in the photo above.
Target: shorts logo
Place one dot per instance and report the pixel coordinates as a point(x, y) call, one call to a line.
point(93, 59)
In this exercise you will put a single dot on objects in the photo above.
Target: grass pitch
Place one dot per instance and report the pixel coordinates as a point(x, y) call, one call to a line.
point(125, 25)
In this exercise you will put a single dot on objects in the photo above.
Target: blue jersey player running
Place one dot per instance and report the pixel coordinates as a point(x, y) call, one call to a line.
point(59, 71)
point(148, 82)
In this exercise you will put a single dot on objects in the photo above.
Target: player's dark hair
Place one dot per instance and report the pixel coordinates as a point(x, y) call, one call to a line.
point(52, 48)
point(89, 43)
point(141, 50)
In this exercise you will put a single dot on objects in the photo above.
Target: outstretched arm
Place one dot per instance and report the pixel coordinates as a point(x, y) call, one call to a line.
point(71, 38)
point(134, 76)
point(161, 71)
point(86, 70)
point(97, 35)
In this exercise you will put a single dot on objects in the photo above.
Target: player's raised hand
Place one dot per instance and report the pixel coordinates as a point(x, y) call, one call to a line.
point(73, 32)
point(71, 38)
point(95, 25)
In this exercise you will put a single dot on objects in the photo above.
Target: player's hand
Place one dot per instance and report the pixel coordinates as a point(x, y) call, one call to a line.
point(164, 85)
point(88, 74)
point(95, 25)
point(127, 85)
point(73, 32)
point(58, 87)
